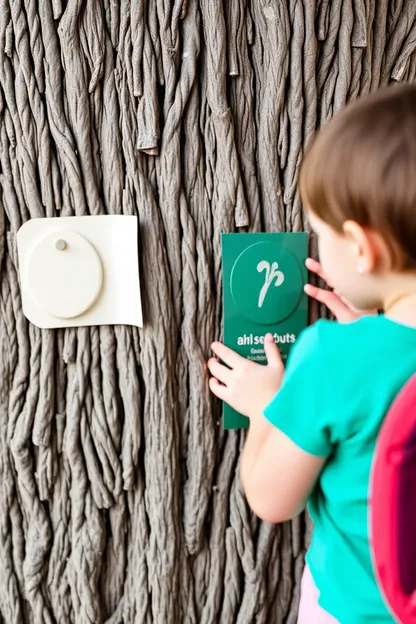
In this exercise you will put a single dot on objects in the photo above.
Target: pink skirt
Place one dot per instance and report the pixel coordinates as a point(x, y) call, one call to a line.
point(309, 610)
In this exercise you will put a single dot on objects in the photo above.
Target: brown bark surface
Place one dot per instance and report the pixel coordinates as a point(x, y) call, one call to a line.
point(119, 493)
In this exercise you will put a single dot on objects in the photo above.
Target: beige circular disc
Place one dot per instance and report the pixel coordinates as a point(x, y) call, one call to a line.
point(64, 274)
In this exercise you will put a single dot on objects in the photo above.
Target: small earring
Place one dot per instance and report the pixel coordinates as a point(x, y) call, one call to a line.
point(360, 268)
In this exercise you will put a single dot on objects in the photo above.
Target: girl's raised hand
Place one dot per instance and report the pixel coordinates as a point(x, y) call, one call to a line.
point(340, 308)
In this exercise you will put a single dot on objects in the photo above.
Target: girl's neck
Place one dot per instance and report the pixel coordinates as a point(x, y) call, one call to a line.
point(402, 308)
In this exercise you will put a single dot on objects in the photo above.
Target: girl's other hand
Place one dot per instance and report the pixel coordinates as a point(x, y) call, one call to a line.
point(247, 386)
point(340, 308)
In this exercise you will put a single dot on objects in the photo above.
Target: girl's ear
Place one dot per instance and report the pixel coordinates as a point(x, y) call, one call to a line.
point(362, 245)
point(370, 248)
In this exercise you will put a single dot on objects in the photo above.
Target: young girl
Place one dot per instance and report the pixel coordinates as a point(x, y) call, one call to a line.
point(313, 427)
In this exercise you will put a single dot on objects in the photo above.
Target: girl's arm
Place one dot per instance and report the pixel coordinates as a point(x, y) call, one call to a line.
point(277, 475)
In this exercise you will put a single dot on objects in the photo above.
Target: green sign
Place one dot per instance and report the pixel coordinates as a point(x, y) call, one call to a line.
point(263, 279)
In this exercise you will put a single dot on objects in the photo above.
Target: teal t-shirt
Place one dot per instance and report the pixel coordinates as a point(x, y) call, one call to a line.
point(339, 383)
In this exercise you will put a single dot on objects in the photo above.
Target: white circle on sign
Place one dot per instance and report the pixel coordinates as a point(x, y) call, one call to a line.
point(64, 274)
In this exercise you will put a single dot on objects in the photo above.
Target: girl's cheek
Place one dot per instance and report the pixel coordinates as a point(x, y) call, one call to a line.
point(322, 252)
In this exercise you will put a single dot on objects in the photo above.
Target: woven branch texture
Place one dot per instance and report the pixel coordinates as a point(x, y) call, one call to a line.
point(120, 500)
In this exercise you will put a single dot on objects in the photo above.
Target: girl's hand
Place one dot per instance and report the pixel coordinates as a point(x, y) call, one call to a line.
point(340, 308)
point(246, 386)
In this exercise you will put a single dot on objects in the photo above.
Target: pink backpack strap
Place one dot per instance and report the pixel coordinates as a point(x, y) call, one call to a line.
point(393, 506)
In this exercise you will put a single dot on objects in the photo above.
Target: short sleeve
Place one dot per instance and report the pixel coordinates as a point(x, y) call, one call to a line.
point(303, 408)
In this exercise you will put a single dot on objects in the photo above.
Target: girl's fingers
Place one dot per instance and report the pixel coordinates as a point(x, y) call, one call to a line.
point(218, 389)
point(230, 357)
point(222, 373)
point(315, 267)
point(339, 309)
point(274, 359)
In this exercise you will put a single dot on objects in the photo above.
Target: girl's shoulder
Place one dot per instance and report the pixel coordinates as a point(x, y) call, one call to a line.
point(367, 343)
point(367, 330)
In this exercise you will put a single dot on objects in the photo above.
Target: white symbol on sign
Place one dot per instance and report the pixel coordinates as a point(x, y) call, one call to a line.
point(272, 273)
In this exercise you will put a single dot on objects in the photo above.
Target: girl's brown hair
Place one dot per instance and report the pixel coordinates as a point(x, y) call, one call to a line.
point(362, 167)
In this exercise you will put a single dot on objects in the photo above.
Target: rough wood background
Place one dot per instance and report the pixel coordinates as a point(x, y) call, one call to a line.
point(119, 494)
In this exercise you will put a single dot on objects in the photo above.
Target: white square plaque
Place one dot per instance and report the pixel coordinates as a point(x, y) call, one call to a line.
point(80, 271)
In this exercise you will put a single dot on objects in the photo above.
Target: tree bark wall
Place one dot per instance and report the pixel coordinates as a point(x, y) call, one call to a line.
point(119, 493)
